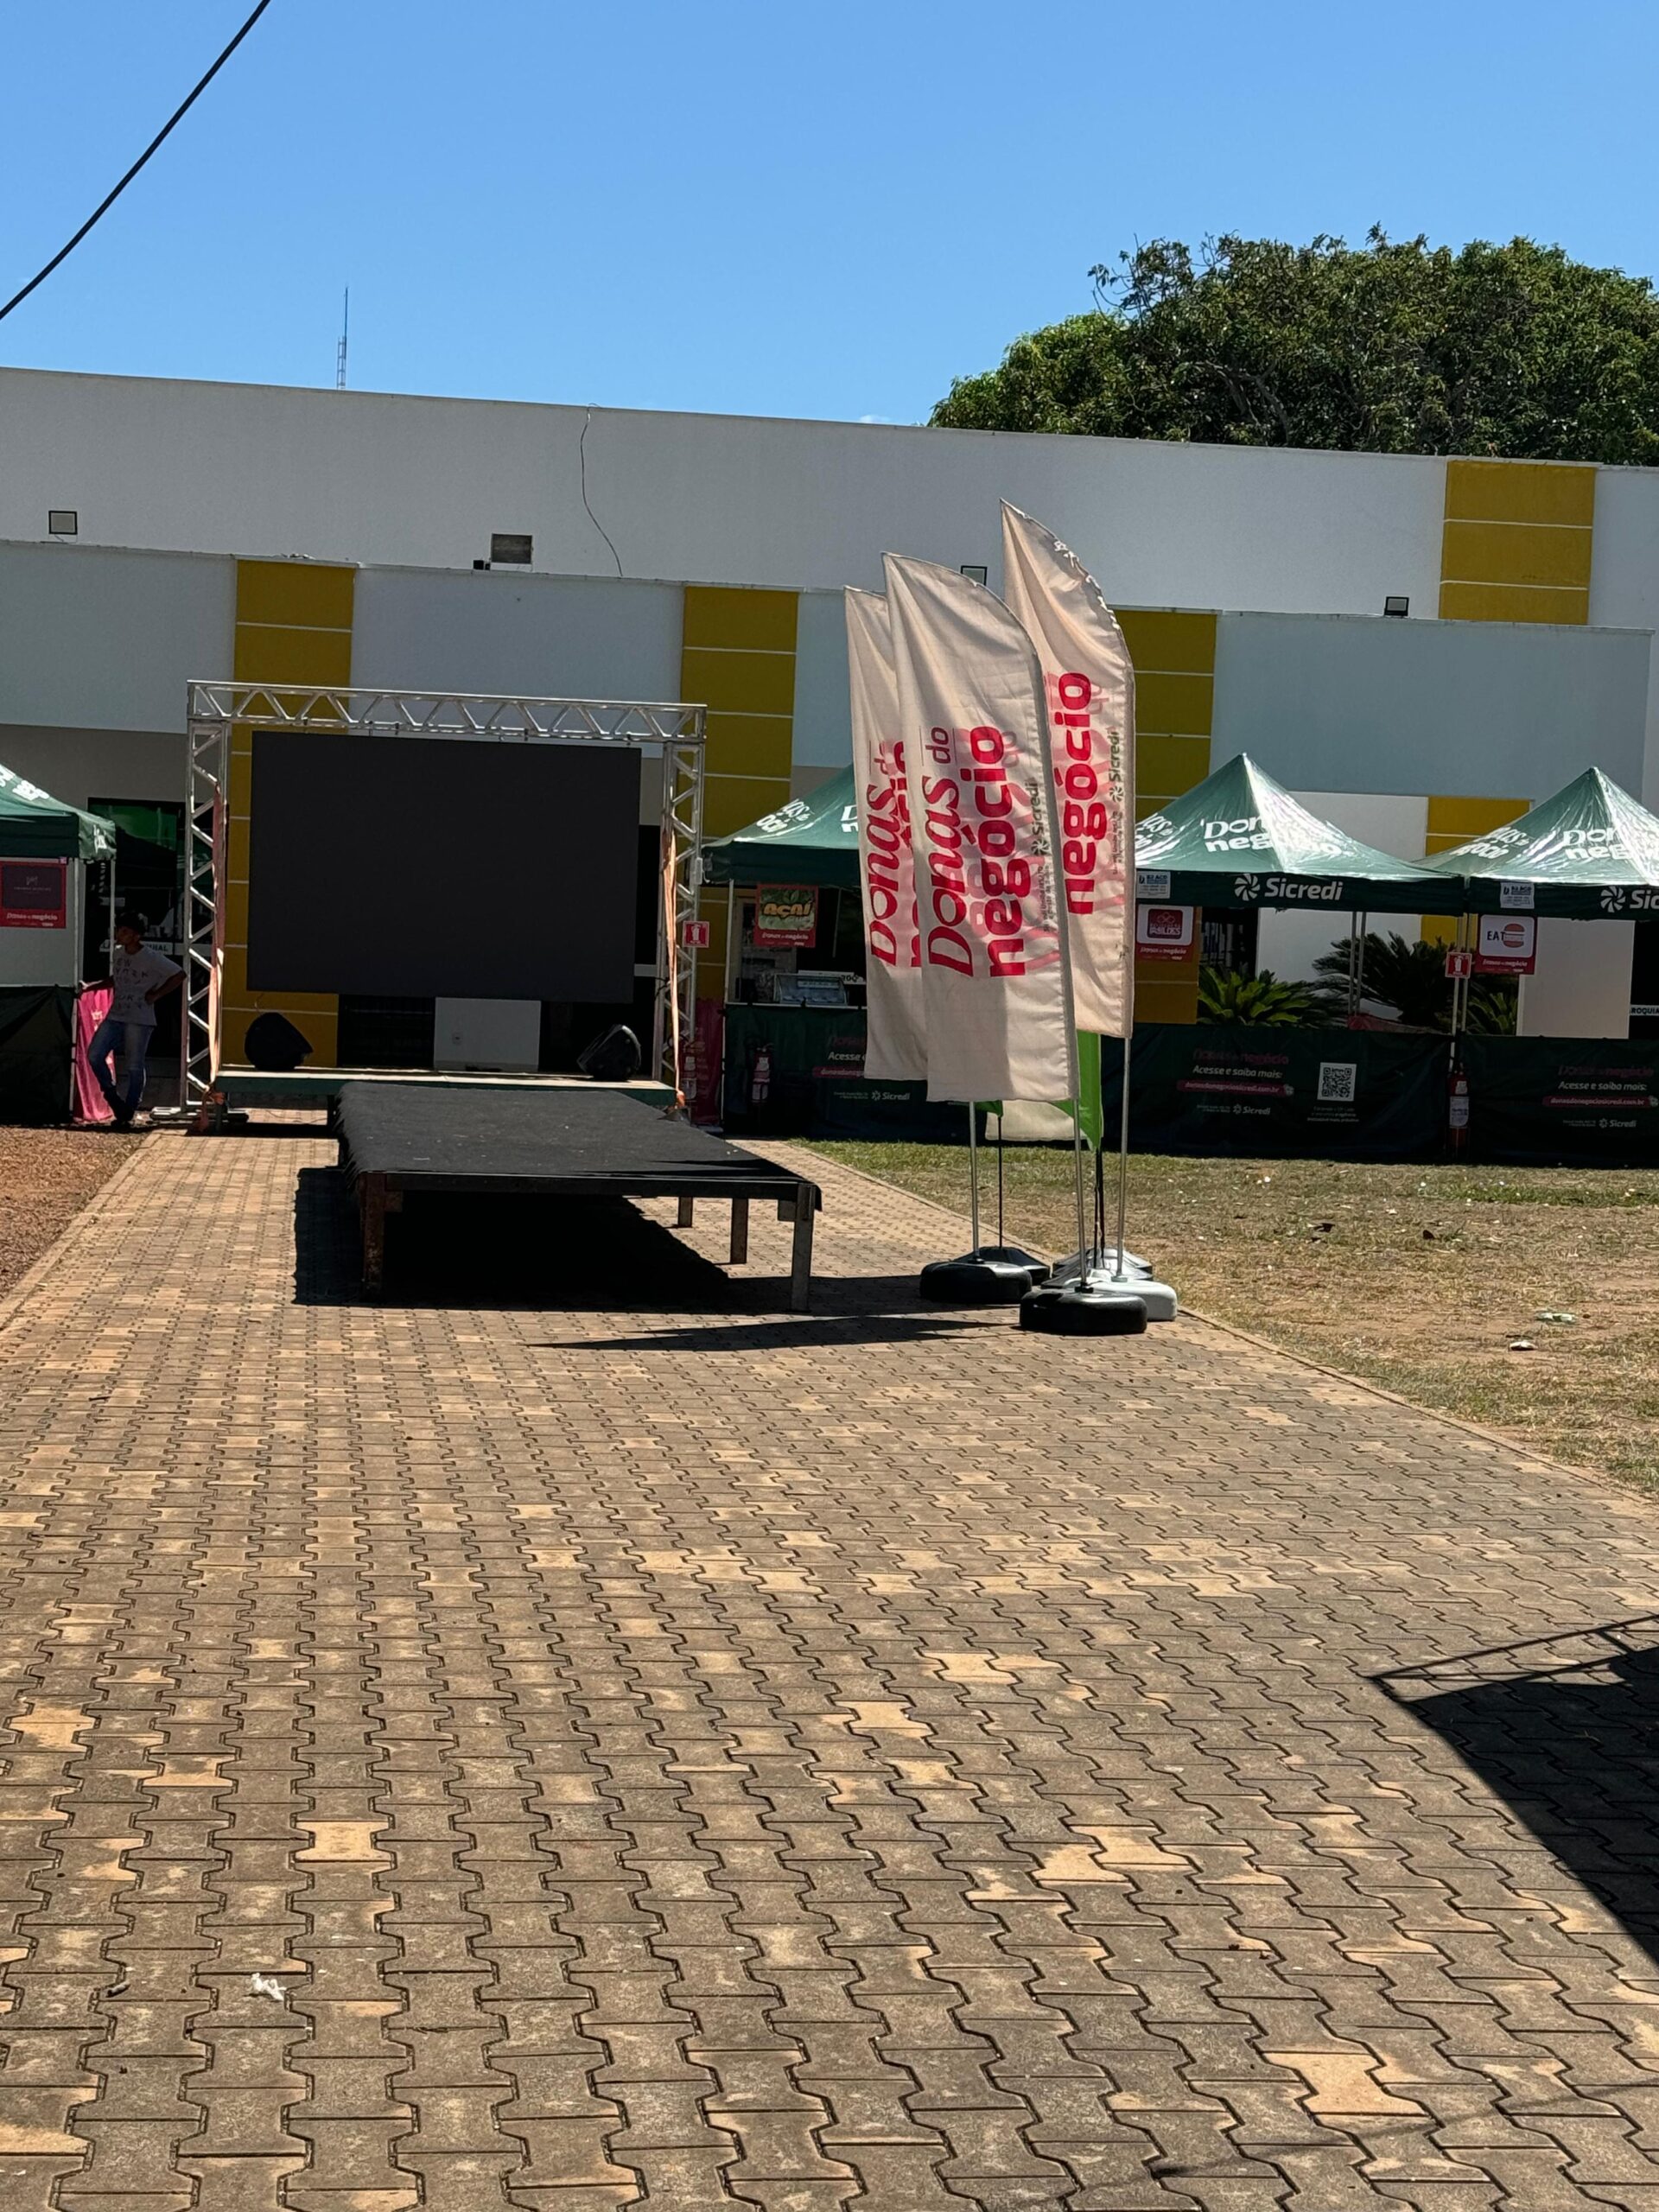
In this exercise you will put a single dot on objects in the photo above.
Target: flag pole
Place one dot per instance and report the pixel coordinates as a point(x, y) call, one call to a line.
point(1123, 1167)
point(973, 1176)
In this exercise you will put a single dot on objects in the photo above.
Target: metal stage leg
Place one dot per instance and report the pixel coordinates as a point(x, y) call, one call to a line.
point(687, 1213)
point(375, 1201)
point(800, 1271)
point(739, 1231)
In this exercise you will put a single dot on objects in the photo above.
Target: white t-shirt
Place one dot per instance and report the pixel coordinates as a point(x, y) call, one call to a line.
point(133, 974)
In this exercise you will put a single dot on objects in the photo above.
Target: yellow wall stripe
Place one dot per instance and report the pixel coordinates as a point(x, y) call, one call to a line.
point(1453, 821)
point(1517, 542)
point(1173, 649)
point(737, 658)
point(293, 626)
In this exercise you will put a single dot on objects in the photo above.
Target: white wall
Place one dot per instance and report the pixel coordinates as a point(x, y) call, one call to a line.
point(108, 640)
point(1499, 709)
point(1625, 581)
point(80, 764)
point(823, 710)
point(392, 479)
point(1581, 987)
point(548, 637)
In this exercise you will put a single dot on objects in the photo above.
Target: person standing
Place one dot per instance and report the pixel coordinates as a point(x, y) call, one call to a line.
point(139, 977)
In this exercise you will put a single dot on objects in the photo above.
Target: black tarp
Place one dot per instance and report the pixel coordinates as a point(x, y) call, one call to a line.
point(36, 1039)
point(1320, 1093)
point(1583, 1101)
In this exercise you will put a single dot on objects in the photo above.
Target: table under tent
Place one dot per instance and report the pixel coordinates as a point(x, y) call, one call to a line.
point(57, 894)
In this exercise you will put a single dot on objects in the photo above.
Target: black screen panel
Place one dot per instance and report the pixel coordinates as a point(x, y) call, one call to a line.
point(421, 868)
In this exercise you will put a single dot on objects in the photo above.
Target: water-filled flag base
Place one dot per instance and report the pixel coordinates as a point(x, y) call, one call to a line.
point(1103, 1263)
point(1092, 1310)
point(978, 1279)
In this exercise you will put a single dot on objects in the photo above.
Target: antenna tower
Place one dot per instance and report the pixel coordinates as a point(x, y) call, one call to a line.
point(345, 340)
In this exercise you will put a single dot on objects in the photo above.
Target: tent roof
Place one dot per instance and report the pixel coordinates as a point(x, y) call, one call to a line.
point(35, 826)
point(1584, 852)
point(810, 841)
point(1239, 839)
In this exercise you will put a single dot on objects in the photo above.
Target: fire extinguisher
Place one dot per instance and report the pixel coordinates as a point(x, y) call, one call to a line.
point(1457, 1110)
point(760, 1080)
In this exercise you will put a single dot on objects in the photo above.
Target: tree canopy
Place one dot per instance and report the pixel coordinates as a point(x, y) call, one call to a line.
point(1395, 346)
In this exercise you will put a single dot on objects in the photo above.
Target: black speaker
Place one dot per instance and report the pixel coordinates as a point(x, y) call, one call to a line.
point(274, 1044)
point(614, 1058)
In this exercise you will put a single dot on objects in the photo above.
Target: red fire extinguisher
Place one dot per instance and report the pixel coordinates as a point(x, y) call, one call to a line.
point(760, 1081)
point(1456, 1110)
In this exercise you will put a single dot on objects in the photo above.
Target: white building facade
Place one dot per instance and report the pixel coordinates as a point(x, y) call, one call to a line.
point(152, 531)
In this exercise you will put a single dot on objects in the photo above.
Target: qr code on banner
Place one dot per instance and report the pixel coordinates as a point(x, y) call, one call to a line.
point(1339, 1080)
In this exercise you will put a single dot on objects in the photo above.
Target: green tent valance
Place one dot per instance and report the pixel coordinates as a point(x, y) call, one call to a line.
point(34, 826)
point(1591, 851)
point(1239, 839)
point(810, 841)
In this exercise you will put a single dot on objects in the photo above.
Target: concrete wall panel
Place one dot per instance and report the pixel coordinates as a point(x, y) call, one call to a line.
point(108, 640)
point(551, 637)
point(1494, 706)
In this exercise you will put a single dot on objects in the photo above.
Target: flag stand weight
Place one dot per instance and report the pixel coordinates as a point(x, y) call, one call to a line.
point(1084, 1301)
point(993, 1275)
point(1114, 1264)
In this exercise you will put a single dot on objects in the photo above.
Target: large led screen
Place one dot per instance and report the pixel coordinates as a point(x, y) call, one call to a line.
point(428, 868)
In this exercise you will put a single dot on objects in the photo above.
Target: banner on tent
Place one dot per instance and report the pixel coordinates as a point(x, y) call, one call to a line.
point(1163, 932)
point(975, 726)
point(1089, 687)
point(786, 914)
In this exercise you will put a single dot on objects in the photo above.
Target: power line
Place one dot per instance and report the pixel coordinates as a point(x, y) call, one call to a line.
point(104, 205)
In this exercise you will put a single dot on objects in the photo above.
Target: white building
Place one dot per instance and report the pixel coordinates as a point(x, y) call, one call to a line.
point(151, 531)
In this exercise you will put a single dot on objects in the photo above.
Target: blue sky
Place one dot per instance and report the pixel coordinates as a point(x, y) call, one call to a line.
point(757, 206)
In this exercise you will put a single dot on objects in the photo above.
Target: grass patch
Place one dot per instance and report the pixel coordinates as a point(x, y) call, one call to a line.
point(1417, 1278)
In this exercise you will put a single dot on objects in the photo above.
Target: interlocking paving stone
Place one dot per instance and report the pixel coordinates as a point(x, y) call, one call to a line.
point(663, 1753)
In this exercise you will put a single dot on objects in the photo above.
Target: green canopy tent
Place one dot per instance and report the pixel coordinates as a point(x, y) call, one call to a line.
point(1590, 852)
point(34, 826)
point(812, 840)
point(1239, 839)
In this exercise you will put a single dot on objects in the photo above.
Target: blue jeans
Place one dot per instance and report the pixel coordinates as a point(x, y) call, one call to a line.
point(133, 1039)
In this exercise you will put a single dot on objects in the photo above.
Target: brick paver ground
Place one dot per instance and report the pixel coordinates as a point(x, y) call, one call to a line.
point(668, 1752)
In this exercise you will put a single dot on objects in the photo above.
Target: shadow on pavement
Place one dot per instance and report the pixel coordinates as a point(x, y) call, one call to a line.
point(572, 1255)
point(1566, 1731)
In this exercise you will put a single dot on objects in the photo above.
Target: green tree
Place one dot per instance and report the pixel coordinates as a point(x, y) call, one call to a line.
point(1514, 351)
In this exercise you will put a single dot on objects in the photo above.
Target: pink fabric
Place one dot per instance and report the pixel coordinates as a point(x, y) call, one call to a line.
point(90, 1105)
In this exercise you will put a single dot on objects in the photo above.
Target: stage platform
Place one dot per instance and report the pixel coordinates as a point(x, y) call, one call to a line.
point(320, 1087)
point(560, 1140)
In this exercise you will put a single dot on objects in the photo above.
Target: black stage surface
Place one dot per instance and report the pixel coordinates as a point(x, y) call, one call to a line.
point(402, 1138)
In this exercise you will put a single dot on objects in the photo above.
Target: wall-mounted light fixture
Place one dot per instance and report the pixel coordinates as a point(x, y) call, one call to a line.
point(1396, 603)
point(975, 574)
point(62, 522)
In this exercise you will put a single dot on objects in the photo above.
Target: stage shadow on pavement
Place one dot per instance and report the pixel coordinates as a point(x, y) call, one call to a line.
point(571, 1256)
point(826, 1324)
point(1566, 1731)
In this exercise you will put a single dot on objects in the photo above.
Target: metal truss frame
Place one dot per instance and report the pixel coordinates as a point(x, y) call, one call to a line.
point(673, 732)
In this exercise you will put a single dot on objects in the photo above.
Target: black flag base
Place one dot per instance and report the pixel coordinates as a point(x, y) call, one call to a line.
point(1014, 1256)
point(1095, 1310)
point(993, 1277)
